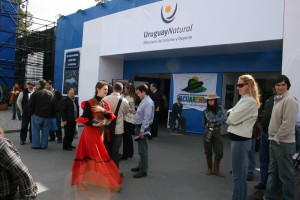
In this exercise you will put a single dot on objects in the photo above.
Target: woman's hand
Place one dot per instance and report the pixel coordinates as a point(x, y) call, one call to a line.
point(98, 109)
point(101, 123)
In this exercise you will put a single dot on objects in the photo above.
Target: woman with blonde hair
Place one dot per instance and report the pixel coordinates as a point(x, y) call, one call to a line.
point(241, 120)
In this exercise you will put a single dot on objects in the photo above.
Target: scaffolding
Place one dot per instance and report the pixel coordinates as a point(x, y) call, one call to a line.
point(31, 39)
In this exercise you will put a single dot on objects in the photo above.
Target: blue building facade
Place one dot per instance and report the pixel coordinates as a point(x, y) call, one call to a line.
point(261, 62)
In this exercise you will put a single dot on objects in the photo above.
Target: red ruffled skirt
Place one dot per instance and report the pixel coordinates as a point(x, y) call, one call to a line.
point(92, 164)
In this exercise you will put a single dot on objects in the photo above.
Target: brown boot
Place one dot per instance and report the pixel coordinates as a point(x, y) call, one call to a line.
point(209, 165)
point(216, 170)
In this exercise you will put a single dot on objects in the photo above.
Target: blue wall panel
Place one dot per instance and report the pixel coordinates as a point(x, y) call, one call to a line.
point(8, 23)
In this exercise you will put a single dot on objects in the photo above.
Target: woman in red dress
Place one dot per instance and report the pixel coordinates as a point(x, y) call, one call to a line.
point(92, 163)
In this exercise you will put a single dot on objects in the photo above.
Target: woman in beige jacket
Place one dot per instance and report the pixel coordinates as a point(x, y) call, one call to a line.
point(241, 120)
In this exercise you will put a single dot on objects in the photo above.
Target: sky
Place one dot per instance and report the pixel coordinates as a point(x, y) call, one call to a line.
point(48, 9)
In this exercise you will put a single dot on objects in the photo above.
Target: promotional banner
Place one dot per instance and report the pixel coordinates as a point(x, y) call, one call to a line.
point(192, 88)
point(172, 24)
point(71, 70)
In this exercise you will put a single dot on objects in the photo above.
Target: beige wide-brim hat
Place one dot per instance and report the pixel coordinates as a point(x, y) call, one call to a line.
point(211, 96)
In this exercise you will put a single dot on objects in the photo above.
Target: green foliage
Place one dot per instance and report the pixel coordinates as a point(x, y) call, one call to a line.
point(25, 21)
point(4, 93)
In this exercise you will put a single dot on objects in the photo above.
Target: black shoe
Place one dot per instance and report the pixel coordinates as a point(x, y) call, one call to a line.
point(68, 149)
point(59, 141)
point(260, 186)
point(140, 175)
point(51, 139)
point(73, 147)
point(136, 169)
point(22, 143)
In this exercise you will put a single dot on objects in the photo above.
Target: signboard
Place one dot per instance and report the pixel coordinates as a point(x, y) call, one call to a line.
point(71, 71)
point(192, 88)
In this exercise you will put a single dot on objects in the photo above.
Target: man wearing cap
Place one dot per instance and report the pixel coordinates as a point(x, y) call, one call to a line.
point(177, 116)
point(22, 103)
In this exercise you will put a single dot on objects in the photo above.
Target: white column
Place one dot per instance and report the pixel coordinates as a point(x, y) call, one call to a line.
point(291, 46)
point(93, 67)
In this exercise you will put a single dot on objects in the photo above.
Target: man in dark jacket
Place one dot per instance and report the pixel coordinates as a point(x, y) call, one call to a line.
point(22, 102)
point(156, 98)
point(177, 122)
point(41, 108)
point(69, 110)
point(57, 98)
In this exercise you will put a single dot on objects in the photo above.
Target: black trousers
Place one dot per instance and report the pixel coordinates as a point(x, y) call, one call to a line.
point(114, 149)
point(69, 134)
point(127, 140)
point(24, 127)
point(154, 126)
point(58, 131)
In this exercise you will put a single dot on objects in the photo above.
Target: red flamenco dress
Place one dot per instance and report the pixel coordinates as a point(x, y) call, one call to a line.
point(92, 163)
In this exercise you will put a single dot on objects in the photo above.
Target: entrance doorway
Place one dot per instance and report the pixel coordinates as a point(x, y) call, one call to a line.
point(163, 82)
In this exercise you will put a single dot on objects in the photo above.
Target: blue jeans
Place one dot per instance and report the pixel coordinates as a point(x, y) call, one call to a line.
point(143, 151)
point(15, 110)
point(252, 158)
point(264, 158)
point(40, 129)
point(239, 151)
point(281, 171)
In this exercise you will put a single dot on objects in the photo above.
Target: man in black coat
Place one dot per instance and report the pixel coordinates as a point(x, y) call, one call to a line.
point(57, 98)
point(41, 108)
point(177, 122)
point(156, 98)
point(69, 110)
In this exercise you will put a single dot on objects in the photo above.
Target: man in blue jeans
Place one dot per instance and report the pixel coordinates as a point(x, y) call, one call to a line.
point(41, 108)
point(264, 145)
point(282, 142)
point(143, 118)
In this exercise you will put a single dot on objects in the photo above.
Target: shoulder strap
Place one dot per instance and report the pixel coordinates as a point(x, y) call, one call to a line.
point(118, 106)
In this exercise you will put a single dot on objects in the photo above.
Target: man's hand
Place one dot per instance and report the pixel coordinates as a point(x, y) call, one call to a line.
point(141, 135)
point(277, 142)
point(65, 123)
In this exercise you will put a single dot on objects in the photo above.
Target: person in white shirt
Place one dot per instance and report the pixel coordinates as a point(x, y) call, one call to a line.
point(113, 100)
point(22, 103)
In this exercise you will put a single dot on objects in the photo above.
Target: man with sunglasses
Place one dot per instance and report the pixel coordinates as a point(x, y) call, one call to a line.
point(282, 142)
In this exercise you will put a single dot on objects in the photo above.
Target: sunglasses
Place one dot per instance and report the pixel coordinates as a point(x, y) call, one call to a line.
point(241, 85)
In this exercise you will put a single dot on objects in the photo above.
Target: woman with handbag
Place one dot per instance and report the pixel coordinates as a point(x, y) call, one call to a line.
point(241, 120)
point(92, 163)
point(214, 116)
